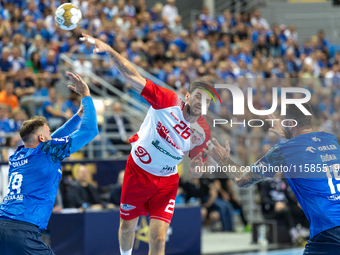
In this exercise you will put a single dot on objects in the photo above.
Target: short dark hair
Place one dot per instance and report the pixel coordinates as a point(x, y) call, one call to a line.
point(303, 121)
point(201, 83)
point(30, 126)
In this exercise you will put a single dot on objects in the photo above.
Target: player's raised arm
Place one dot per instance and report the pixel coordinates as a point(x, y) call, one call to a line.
point(241, 177)
point(123, 65)
point(88, 128)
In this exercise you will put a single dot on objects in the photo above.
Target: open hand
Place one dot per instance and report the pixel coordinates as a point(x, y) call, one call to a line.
point(80, 87)
point(218, 152)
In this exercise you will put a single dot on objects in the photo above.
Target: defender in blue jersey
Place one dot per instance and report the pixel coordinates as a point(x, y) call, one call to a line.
point(310, 161)
point(34, 174)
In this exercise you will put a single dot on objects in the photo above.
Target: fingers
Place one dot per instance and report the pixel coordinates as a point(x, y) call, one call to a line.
point(227, 144)
point(72, 88)
point(208, 152)
point(216, 143)
point(86, 35)
point(72, 77)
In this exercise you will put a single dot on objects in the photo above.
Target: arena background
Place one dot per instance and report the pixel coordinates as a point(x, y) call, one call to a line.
point(234, 42)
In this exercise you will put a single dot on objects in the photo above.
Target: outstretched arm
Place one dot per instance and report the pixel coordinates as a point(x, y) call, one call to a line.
point(123, 65)
point(241, 177)
point(59, 148)
point(88, 128)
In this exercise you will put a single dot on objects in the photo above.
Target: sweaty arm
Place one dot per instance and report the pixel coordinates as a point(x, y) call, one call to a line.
point(241, 177)
point(245, 176)
point(126, 69)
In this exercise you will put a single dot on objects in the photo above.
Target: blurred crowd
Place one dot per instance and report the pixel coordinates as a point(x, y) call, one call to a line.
point(235, 48)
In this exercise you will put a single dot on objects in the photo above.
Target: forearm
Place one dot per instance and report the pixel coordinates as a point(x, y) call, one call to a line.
point(67, 128)
point(127, 70)
point(88, 128)
point(244, 178)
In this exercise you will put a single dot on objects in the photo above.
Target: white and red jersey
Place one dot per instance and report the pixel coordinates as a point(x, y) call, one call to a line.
point(165, 136)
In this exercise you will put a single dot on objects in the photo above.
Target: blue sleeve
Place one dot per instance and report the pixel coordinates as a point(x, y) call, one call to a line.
point(88, 128)
point(67, 128)
point(270, 163)
point(59, 148)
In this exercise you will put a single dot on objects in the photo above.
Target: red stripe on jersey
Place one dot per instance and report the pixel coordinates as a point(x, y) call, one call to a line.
point(201, 121)
point(134, 138)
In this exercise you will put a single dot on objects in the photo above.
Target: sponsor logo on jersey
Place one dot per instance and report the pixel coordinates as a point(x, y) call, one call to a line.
point(195, 138)
point(59, 170)
point(311, 149)
point(168, 169)
point(327, 147)
point(143, 155)
point(14, 197)
point(334, 197)
point(60, 140)
point(173, 115)
point(163, 132)
point(18, 163)
point(127, 207)
point(315, 139)
point(156, 144)
point(326, 158)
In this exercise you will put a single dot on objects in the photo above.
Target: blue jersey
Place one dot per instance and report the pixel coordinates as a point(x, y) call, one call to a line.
point(310, 163)
point(34, 175)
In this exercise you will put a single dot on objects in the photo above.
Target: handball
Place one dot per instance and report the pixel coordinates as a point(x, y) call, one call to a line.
point(67, 16)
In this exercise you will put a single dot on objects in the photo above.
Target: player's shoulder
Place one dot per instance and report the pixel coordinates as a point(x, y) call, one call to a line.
point(57, 148)
point(312, 138)
point(160, 97)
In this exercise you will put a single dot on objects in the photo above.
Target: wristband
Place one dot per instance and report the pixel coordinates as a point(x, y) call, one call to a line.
point(210, 145)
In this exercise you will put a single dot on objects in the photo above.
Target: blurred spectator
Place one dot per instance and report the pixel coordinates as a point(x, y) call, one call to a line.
point(52, 110)
point(34, 63)
point(23, 85)
point(82, 194)
point(4, 121)
point(72, 104)
point(8, 98)
point(213, 208)
point(32, 11)
point(27, 29)
point(257, 19)
point(226, 192)
point(117, 190)
point(17, 62)
point(118, 123)
point(278, 203)
point(170, 11)
point(5, 64)
point(19, 116)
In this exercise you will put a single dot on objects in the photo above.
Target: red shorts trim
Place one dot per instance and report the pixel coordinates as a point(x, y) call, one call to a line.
point(144, 193)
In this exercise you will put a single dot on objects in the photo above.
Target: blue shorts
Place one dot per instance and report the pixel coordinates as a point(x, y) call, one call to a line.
point(17, 237)
point(325, 243)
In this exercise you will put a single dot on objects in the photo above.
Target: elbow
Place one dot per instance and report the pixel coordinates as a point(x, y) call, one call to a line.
point(94, 132)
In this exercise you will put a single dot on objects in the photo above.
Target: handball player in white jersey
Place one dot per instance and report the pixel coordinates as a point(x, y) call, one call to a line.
point(171, 128)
